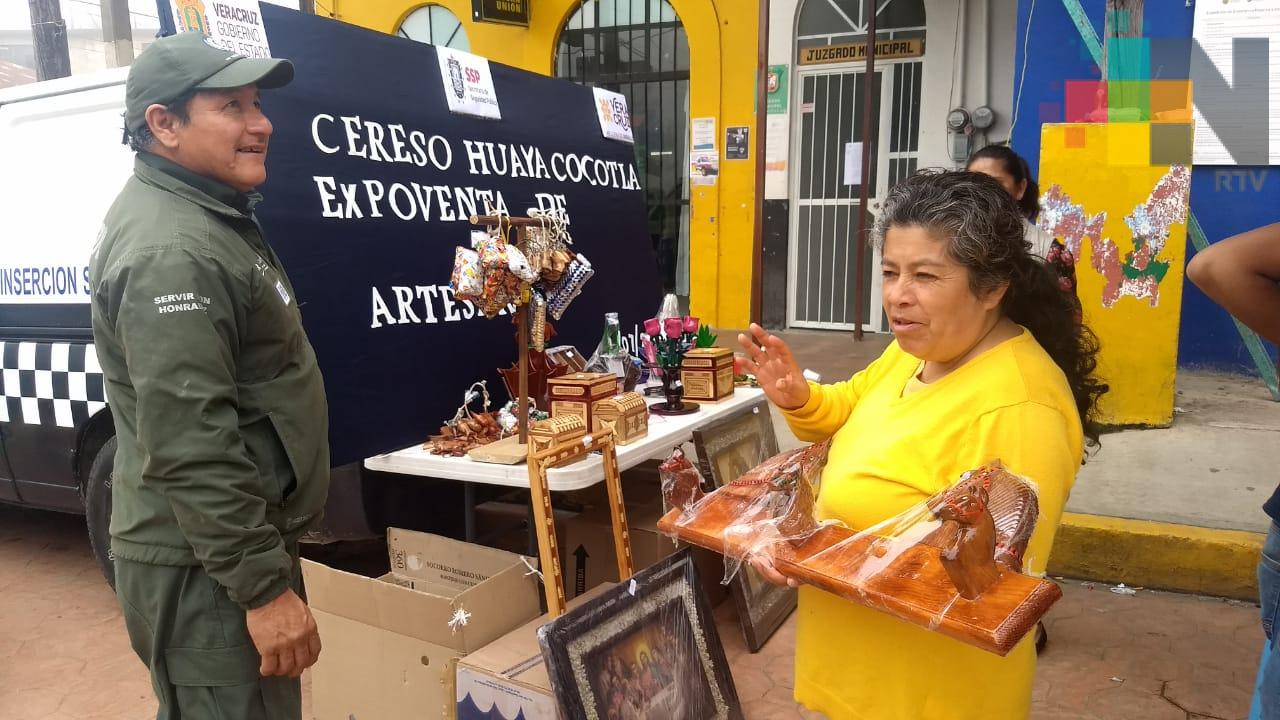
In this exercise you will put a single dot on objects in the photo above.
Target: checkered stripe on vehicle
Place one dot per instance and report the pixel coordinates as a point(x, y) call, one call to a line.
point(49, 383)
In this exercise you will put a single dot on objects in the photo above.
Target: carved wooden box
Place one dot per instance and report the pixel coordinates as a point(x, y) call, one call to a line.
point(707, 374)
point(577, 393)
point(627, 414)
point(556, 431)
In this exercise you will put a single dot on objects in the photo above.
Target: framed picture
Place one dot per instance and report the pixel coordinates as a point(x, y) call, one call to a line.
point(647, 648)
point(726, 451)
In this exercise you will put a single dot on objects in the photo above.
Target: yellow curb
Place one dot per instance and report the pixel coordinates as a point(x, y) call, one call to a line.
point(1140, 553)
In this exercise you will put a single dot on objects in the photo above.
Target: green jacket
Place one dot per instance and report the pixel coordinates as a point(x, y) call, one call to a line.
point(219, 407)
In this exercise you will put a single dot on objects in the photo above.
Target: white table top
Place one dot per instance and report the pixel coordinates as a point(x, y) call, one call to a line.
point(665, 432)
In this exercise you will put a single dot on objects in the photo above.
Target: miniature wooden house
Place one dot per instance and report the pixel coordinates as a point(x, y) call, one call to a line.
point(577, 393)
point(627, 414)
point(707, 374)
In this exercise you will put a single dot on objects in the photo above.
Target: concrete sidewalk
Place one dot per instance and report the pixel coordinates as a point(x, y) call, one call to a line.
point(1180, 507)
point(1177, 508)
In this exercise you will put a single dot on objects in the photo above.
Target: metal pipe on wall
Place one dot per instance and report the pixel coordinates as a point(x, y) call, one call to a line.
point(868, 98)
point(984, 74)
point(962, 22)
point(762, 98)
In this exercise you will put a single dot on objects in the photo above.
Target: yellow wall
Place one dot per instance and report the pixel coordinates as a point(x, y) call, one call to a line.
point(723, 38)
point(1105, 168)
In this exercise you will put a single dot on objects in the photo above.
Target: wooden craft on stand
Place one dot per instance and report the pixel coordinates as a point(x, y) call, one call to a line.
point(947, 579)
point(542, 366)
point(504, 223)
point(548, 550)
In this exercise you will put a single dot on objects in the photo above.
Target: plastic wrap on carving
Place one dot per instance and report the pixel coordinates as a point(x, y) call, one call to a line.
point(681, 481)
point(773, 504)
point(952, 563)
point(978, 527)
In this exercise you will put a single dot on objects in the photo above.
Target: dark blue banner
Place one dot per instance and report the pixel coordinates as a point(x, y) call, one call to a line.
point(371, 181)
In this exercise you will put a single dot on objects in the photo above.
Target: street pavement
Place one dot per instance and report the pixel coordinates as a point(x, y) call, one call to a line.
point(64, 654)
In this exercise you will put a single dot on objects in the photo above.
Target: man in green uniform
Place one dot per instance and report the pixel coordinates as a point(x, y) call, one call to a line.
point(219, 408)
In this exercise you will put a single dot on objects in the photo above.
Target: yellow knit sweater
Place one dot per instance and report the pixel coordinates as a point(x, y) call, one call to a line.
point(893, 450)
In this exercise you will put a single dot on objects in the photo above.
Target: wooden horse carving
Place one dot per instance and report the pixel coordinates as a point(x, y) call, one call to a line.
point(967, 541)
point(681, 482)
point(975, 554)
point(974, 546)
point(790, 503)
point(789, 480)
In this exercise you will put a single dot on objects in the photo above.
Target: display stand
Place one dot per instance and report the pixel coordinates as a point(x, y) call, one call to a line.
point(504, 224)
point(544, 519)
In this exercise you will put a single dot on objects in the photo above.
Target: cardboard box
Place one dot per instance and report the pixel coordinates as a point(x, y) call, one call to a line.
point(389, 648)
point(508, 678)
point(587, 556)
point(641, 487)
point(504, 525)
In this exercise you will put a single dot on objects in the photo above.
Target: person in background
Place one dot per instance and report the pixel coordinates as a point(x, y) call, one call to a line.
point(987, 363)
point(1014, 175)
point(1242, 274)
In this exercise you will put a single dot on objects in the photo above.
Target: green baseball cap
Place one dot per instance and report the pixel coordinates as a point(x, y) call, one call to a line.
point(177, 64)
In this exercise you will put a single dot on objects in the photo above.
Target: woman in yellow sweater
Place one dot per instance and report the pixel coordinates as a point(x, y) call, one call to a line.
point(988, 363)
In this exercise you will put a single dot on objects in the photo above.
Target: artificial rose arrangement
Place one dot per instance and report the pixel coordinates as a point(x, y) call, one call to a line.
point(668, 340)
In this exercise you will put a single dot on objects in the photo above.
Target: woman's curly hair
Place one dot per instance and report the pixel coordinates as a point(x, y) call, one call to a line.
point(984, 230)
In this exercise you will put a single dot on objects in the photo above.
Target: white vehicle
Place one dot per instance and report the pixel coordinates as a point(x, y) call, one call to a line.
point(63, 164)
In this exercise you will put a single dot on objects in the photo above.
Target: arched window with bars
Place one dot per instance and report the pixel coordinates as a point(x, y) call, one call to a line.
point(639, 48)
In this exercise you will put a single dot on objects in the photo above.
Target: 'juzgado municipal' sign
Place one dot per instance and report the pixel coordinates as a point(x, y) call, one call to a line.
point(371, 183)
point(885, 50)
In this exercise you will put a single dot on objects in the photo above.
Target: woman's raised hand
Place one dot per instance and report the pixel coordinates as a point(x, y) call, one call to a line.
point(764, 565)
point(771, 361)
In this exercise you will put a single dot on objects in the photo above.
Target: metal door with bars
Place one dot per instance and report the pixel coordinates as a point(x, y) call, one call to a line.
point(639, 48)
point(824, 216)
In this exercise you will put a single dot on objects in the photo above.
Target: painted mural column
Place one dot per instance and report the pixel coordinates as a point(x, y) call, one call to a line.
point(1116, 192)
point(1124, 218)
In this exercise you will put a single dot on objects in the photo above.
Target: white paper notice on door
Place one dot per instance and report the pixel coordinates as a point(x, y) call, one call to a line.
point(704, 134)
point(853, 163)
point(775, 157)
point(468, 84)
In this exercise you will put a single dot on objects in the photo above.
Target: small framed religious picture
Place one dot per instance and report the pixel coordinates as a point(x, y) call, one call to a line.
point(726, 451)
point(646, 648)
